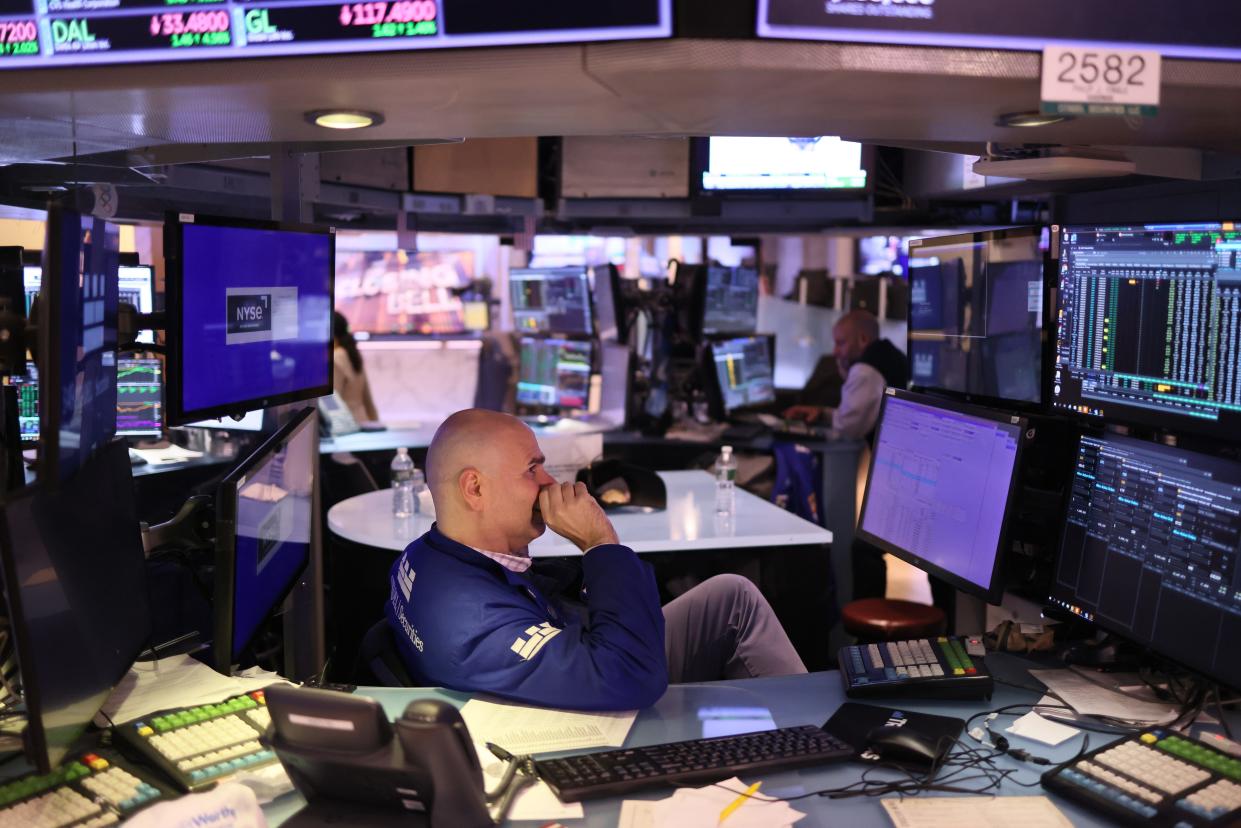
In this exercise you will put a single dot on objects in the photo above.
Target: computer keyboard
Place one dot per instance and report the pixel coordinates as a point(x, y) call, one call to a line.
point(91, 790)
point(697, 761)
point(199, 746)
point(937, 668)
point(1155, 778)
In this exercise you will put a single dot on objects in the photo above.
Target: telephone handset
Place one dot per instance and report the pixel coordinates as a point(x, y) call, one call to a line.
point(355, 767)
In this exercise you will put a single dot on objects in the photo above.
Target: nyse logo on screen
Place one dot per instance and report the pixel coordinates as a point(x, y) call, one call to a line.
point(248, 313)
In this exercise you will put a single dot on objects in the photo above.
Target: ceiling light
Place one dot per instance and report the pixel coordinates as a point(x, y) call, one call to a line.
point(344, 118)
point(1030, 119)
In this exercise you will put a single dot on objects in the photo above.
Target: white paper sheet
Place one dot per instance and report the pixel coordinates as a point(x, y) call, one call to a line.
point(1088, 698)
point(174, 681)
point(975, 811)
point(1033, 726)
point(701, 808)
point(521, 730)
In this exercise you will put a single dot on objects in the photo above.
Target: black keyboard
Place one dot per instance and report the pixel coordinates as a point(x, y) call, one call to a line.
point(88, 791)
point(698, 761)
point(936, 668)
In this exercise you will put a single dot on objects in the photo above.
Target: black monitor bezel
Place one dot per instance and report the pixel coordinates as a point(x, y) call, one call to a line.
point(227, 491)
point(1047, 335)
point(717, 396)
point(584, 270)
point(34, 737)
point(174, 378)
point(1162, 422)
point(994, 591)
point(1056, 612)
point(700, 160)
point(556, 410)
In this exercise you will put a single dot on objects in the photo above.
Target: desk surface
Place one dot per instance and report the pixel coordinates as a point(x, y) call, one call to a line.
point(689, 523)
point(685, 710)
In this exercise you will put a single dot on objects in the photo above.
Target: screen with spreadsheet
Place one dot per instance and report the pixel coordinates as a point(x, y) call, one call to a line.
point(554, 373)
point(1148, 325)
point(940, 481)
point(1150, 550)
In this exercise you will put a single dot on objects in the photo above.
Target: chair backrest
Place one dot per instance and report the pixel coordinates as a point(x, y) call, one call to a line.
point(379, 661)
point(343, 477)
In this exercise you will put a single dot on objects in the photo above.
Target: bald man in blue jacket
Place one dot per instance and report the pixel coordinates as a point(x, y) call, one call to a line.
point(466, 615)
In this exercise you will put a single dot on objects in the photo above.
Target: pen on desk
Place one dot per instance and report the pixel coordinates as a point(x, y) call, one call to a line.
point(739, 801)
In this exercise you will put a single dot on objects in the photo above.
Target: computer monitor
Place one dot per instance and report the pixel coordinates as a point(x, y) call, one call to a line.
point(76, 586)
point(554, 374)
point(404, 292)
point(249, 315)
point(27, 403)
point(942, 475)
point(139, 398)
point(744, 372)
point(264, 521)
point(1148, 325)
point(812, 165)
point(980, 298)
point(32, 280)
point(609, 303)
point(730, 302)
point(79, 297)
point(1151, 550)
point(137, 287)
point(880, 255)
point(865, 293)
point(551, 300)
point(615, 382)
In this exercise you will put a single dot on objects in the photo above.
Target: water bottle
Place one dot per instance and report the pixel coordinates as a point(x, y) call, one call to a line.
point(402, 484)
point(725, 482)
point(422, 495)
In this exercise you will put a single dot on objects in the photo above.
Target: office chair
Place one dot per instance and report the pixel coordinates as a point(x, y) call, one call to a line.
point(343, 476)
point(379, 661)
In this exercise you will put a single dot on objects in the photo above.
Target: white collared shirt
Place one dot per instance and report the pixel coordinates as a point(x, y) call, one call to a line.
point(513, 563)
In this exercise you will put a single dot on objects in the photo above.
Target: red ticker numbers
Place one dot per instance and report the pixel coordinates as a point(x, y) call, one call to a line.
point(402, 11)
point(171, 24)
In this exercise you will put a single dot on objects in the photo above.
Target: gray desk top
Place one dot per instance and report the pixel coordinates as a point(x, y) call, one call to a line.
point(685, 710)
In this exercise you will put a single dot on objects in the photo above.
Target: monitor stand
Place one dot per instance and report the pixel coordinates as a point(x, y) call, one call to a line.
point(324, 813)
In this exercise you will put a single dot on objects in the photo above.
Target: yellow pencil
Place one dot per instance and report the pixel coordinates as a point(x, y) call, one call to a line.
point(739, 801)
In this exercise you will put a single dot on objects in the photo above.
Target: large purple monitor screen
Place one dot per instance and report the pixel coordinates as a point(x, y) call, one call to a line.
point(939, 487)
point(255, 318)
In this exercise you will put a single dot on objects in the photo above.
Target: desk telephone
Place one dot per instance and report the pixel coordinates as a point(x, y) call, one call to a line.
point(356, 768)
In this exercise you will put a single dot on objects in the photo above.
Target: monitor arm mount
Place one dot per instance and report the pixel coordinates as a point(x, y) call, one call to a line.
point(130, 321)
point(191, 528)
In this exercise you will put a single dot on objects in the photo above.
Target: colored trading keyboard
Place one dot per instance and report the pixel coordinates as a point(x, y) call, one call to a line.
point(85, 792)
point(199, 746)
point(1156, 778)
point(697, 761)
point(928, 668)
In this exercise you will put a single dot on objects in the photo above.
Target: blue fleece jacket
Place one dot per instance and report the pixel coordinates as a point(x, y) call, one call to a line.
point(464, 622)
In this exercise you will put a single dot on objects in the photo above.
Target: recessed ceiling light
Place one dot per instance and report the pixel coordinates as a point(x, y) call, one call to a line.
point(344, 118)
point(1030, 119)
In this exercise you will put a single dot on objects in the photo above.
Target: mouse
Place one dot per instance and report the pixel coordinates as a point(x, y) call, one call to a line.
point(901, 744)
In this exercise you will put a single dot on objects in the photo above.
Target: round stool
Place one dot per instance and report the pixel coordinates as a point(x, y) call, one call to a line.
point(881, 619)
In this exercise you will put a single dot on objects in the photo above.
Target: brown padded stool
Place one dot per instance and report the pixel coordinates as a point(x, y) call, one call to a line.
point(883, 619)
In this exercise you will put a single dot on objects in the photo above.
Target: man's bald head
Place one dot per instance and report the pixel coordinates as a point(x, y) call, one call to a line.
point(484, 470)
point(851, 334)
point(861, 323)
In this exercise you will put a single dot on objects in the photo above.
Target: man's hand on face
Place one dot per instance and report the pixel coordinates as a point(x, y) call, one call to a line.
point(570, 511)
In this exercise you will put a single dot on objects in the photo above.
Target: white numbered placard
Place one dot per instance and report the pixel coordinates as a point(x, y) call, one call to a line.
point(1096, 80)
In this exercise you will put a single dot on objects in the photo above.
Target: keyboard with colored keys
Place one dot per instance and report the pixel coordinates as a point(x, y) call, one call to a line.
point(938, 668)
point(1156, 778)
point(92, 790)
point(200, 746)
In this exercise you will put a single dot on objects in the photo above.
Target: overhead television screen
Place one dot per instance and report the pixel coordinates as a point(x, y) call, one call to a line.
point(781, 164)
point(398, 292)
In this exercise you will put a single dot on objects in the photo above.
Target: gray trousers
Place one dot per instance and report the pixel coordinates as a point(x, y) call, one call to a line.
point(725, 629)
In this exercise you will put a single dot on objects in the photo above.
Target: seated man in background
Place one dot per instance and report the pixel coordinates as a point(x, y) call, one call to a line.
point(869, 364)
point(467, 616)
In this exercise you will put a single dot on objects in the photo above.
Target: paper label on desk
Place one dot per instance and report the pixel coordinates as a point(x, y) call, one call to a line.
point(228, 806)
point(701, 808)
point(974, 811)
point(1033, 726)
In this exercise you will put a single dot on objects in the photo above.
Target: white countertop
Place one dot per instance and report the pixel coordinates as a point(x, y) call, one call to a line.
point(689, 523)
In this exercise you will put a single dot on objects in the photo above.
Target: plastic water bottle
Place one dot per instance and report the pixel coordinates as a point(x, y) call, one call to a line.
point(418, 486)
point(402, 484)
point(725, 482)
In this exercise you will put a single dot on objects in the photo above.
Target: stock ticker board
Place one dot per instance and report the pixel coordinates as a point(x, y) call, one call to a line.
point(53, 33)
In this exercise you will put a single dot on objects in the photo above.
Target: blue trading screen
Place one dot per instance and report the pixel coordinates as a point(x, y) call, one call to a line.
point(1151, 550)
point(272, 543)
point(53, 33)
point(551, 301)
point(1148, 325)
point(744, 371)
point(731, 304)
point(256, 316)
point(85, 262)
point(139, 397)
point(554, 373)
point(938, 486)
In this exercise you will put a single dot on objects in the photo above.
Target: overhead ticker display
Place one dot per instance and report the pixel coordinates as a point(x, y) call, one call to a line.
point(1205, 29)
point(51, 33)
